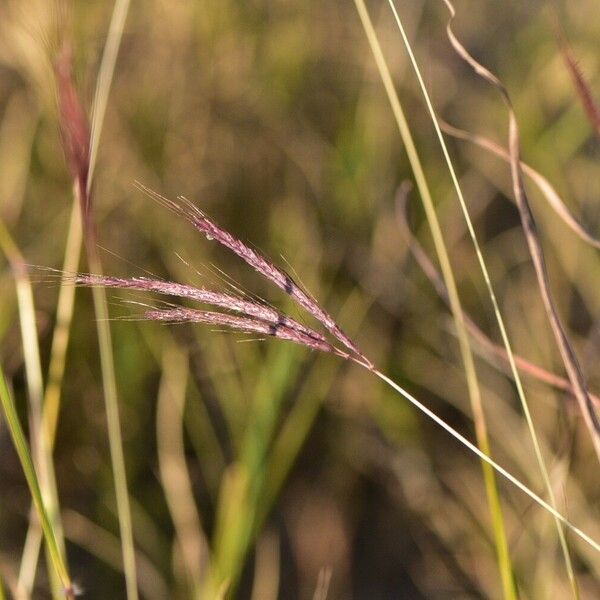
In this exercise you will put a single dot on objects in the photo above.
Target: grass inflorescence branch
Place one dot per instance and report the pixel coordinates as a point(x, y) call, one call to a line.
point(258, 262)
point(249, 316)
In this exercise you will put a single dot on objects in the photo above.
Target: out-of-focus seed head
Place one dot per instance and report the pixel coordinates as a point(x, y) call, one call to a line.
point(74, 125)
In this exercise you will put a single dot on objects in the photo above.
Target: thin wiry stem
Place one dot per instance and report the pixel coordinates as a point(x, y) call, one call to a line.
point(499, 469)
point(501, 541)
point(104, 80)
point(491, 292)
point(113, 424)
point(567, 352)
point(64, 317)
point(76, 143)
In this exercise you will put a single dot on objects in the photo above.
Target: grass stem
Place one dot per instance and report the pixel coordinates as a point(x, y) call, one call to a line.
point(16, 431)
point(501, 541)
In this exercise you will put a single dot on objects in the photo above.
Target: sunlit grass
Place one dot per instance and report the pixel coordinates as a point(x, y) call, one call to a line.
point(258, 469)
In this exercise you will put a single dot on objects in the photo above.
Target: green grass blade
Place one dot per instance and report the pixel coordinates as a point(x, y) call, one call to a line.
point(113, 422)
point(294, 431)
point(20, 443)
point(500, 537)
point(105, 77)
point(41, 446)
point(499, 319)
point(243, 485)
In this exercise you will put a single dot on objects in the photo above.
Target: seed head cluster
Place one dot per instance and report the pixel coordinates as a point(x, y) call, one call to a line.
point(236, 312)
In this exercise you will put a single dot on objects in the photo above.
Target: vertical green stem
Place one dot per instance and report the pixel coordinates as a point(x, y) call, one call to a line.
point(113, 421)
point(501, 542)
point(31, 476)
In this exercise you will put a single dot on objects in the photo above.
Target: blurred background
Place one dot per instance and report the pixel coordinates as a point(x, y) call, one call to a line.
point(271, 117)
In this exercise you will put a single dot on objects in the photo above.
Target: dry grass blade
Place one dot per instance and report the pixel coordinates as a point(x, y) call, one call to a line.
point(265, 267)
point(554, 200)
point(488, 345)
point(76, 143)
point(569, 358)
point(581, 85)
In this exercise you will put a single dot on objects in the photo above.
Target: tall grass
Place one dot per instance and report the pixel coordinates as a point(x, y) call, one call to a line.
point(264, 456)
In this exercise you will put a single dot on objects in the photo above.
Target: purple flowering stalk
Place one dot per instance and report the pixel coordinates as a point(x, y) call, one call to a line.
point(250, 316)
point(257, 261)
point(243, 315)
point(245, 324)
point(230, 302)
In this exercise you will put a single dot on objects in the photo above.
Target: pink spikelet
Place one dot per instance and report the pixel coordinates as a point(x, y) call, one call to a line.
point(258, 262)
point(74, 127)
point(229, 302)
point(244, 324)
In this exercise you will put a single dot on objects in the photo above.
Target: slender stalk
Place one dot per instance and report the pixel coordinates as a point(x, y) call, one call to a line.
point(484, 457)
point(113, 421)
point(501, 541)
point(41, 447)
point(31, 476)
point(104, 81)
point(64, 317)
